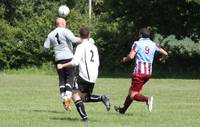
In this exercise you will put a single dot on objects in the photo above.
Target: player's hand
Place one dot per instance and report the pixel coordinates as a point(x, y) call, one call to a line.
point(59, 66)
point(123, 60)
point(162, 60)
point(91, 40)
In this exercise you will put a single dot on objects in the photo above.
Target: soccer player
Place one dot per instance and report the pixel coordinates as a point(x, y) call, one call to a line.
point(87, 58)
point(143, 51)
point(61, 39)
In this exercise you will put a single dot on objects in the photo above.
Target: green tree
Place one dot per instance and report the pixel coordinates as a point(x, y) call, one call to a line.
point(25, 24)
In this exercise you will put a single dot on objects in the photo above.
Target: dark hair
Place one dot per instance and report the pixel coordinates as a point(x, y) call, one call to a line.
point(144, 32)
point(84, 33)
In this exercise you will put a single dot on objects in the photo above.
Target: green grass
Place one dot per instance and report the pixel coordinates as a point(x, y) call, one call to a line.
point(33, 101)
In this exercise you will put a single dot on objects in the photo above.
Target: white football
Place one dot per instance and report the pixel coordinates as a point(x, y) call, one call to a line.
point(63, 11)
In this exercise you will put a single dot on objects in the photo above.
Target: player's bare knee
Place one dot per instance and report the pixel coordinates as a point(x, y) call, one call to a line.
point(76, 96)
point(132, 95)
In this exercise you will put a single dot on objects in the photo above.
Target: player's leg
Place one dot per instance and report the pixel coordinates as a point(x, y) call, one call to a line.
point(79, 105)
point(99, 98)
point(69, 78)
point(61, 84)
point(137, 87)
point(128, 99)
point(134, 94)
point(77, 95)
point(142, 98)
point(65, 96)
point(139, 97)
point(96, 98)
point(126, 105)
point(89, 97)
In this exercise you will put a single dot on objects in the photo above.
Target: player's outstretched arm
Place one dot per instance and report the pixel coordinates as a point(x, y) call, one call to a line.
point(67, 65)
point(164, 55)
point(129, 57)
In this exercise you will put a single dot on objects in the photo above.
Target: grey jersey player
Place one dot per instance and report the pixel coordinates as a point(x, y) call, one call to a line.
point(61, 40)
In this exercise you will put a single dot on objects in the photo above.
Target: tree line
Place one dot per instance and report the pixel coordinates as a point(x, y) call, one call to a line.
point(174, 24)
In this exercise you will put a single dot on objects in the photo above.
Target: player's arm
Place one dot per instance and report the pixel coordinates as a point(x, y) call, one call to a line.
point(164, 55)
point(67, 65)
point(47, 43)
point(129, 57)
point(131, 54)
point(72, 37)
point(162, 52)
point(75, 61)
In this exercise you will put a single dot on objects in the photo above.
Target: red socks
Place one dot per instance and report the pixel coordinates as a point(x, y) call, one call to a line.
point(140, 97)
point(128, 101)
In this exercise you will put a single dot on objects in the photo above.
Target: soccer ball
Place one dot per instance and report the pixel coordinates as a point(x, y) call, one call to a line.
point(63, 11)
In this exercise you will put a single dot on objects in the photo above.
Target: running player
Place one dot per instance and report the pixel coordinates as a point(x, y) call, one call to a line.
point(61, 39)
point(143, 51)
point(87, 58)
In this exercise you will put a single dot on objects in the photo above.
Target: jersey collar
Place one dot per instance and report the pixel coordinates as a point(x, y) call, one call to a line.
point(144, 39)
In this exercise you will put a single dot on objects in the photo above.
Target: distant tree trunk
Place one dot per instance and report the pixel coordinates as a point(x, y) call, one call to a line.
point(9, 11)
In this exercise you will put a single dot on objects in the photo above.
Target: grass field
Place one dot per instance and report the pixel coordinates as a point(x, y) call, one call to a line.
point(33, 101)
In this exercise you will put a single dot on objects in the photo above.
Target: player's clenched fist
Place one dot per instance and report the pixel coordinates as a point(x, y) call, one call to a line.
point(59, 66)
point(123, 60)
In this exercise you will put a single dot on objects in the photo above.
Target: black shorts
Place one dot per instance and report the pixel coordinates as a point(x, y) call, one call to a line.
point(66, 75)
point(83, 86)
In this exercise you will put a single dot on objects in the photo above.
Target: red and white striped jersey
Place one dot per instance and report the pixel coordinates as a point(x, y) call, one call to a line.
point(145, 50)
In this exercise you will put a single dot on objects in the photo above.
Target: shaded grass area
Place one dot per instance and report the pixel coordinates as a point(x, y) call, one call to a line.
point(155, 75)
point(158, 73)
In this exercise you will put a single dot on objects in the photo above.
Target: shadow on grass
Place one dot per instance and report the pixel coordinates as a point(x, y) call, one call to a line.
point(118, 114)
point(65, 118)
point(51, 111)
point(78, 119)
point(155, 75)
point(38, 110)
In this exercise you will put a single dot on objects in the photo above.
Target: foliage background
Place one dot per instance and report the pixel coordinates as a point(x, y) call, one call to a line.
point(24, 25)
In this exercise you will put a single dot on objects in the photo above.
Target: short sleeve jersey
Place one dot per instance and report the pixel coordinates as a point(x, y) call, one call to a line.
point(87, 58)
point(145, 50)
point(61, 40)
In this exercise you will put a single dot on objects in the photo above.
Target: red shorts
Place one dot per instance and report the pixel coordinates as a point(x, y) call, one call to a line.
point(137, 82)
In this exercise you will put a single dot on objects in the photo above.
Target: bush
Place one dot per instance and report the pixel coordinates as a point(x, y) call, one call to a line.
point(183, 54)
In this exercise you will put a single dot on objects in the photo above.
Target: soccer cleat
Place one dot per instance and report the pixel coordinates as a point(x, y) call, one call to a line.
point(118, 109)
point(106, 102)
point(67, 104)
point(150, 103)
point(86, 120)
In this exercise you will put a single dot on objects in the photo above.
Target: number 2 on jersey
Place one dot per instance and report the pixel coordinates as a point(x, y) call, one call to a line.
point(91, 59)
point(57, 38)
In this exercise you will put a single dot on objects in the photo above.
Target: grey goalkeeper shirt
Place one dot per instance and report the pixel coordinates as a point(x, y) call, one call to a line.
point(61, 39)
